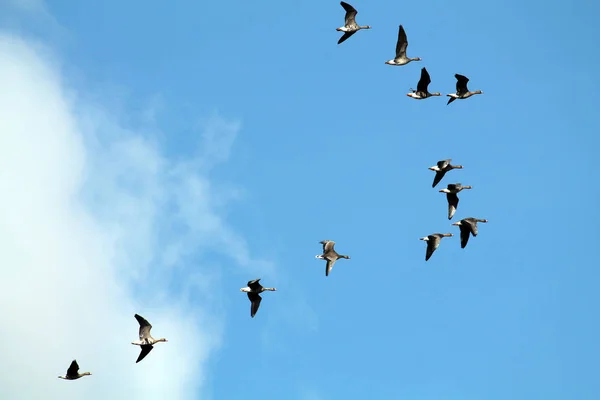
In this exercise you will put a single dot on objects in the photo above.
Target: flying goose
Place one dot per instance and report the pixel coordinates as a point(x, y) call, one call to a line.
point(451, 195)
point(461, 89)
point(433, 242)
point(467, 226)
point(401, 46)
point(441, 168)
point(330, 255)
point(350, 26)
point(73, 372)
point(254, 289)
point(421, 92)
point(146, 341)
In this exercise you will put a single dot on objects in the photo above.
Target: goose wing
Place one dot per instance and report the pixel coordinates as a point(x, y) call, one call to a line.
point(432, 244)
point(255, 285)
point(444, 163)
point(452, 204)
point(402, 43)
point(438, 177)
point(345, 36)
point(73, 369)
point(329, 266)
point(146, 348)
point(472, 225)
point(145, 327)
point(255, 300)
point(464, 234)
point(327, 245)
point(351, 12)
point(461, 84)
point(424, 81)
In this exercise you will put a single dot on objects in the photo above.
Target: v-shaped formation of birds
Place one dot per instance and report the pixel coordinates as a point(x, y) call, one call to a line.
point(468, 226)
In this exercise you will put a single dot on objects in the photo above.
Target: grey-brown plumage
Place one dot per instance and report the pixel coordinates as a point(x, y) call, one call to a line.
point(422, 91)
point(468, 226)
point(350, 26)
point(330, 255)
point(441, 168)
point(462, 92)
point(401, 46)
point(433, 242)
point(146, 341)
point(452, 197)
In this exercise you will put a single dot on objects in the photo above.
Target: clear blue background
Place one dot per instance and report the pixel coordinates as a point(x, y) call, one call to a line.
point(331, 148)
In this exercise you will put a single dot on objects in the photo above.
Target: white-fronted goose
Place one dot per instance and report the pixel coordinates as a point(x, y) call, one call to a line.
point(451, 194)
point(73, 372)
point(350, 26)
point(433, 242)
point(330, 255)
point(461, 89)
point(254, 289)
point(467, 226)
point(146, 341)
point(421, 92)
point(401, 46)
point(441, 168)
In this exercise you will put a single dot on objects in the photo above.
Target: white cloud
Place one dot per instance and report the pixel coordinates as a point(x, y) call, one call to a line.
point(96, 224)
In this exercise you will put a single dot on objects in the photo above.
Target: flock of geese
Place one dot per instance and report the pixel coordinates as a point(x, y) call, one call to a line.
point(468, 226)
point(351, 27)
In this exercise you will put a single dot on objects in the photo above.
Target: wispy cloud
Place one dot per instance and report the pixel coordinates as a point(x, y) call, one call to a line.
point(96, 224)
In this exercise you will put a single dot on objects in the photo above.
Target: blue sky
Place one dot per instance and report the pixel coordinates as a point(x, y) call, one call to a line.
point(315, 140)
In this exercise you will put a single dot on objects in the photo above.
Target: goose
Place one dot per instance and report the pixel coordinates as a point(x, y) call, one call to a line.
point(451, 194)
point(254, 289)
point(350, 26)
point(461, 89)
point(146, 341)
point(401, 46)
point(467, 226)
point(441, 168)
point(421, 92)
point(433, 242)
point(73, 372)
point(330, 255)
